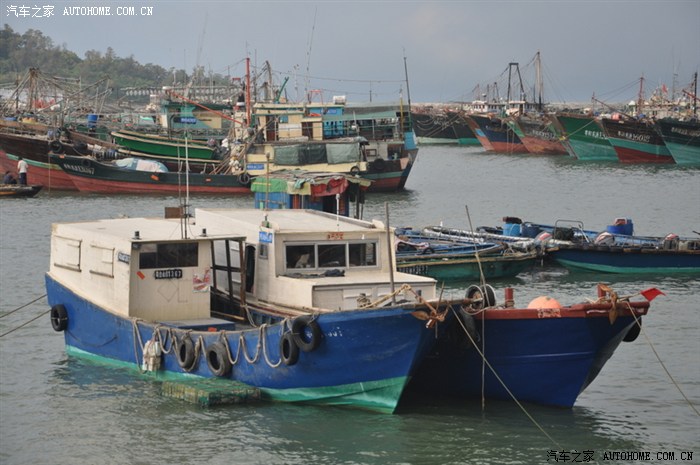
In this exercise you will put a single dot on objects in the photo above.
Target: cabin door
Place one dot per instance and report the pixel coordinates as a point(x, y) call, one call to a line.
point(249, 267)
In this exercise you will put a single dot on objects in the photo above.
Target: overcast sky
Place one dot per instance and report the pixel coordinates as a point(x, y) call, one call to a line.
point(357, 48)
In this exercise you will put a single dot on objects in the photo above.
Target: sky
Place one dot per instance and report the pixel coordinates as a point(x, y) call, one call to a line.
point(359, 48)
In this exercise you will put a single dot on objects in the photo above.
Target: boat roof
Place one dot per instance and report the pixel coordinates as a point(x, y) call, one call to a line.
point(295, 221)
point(149, 229)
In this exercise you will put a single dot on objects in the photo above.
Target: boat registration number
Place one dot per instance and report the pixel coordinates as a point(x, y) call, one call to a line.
point(175, 273)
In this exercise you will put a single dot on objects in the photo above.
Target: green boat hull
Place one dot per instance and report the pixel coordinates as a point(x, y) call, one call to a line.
point(163, 147)
point(587, 138)
point(468, 268)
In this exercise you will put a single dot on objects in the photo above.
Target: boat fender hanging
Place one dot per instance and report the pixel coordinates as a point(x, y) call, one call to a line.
point(184, 351)
point(289, 350)
point(379, 164)
point(244, 179)
point(307, 333)
point(482, 296)
point(466, 327)
point(218, 359)
point(56, 146)
point(633, 332)
point(151, 356)
point(59, 317)
point(355, 170)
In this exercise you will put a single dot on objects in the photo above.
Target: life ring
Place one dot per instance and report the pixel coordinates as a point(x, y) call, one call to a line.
point(184, 351)
point(482, 296)
point(59, 318)
point(56, 146)
point(218, 359)
point(244, 179)
point(307, 333)
point(633, 332)
point(355, 170)
point(289, 350)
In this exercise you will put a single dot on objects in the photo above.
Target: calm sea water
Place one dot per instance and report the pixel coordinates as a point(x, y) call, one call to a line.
point(60, 410)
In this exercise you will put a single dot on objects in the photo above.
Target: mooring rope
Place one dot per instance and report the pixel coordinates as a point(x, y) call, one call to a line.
point(663, 365)
point(23, 306)
point(486, 362)
point(27, 322)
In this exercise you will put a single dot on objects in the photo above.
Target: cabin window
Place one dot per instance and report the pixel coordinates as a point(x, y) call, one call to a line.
point(331, 255)
point(363, 254)
point(67, 253)
point(301, 256)
point(169, 255)
point(102, 262)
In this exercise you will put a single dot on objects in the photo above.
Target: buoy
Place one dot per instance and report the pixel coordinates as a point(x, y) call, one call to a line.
point(544, 302)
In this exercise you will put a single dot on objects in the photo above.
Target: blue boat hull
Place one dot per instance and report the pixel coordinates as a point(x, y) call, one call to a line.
point(547, 360)
point(364, 360)
point(630, 261)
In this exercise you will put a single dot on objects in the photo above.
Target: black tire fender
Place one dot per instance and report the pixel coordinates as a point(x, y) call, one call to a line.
point(59, 317)
point(244, 179)
point(289, 350)
point(184, 351)
point(307, 333)
point(633, 333)
point(56, 146)
point(218, 359)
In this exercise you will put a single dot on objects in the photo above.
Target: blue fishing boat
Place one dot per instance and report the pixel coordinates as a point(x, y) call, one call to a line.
point(544, 353)
point(283, 301)
point(618, 250)
point(449, 259)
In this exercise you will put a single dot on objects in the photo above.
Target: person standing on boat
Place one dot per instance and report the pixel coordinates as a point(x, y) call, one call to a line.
point(22, 170)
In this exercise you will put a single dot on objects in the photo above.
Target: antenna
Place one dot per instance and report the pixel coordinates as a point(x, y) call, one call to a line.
point(308, 55)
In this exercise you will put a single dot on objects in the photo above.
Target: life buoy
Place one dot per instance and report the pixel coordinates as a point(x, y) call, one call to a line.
point(307, 333)
point(184, 351)
point(289, 350)
point(56, 146)
point(244, 179)
point(633, 332)
point(59, 318)
point(218, 359)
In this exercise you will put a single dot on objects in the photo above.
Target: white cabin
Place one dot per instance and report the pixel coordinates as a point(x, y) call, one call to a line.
point(310, 260)
point(136, 267)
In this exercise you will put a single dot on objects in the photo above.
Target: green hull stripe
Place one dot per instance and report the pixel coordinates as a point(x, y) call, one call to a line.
point(379, 396)
point(626, 270)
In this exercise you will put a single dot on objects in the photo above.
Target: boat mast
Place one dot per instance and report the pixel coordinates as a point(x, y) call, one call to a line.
point(538, 80)
point(640, 98)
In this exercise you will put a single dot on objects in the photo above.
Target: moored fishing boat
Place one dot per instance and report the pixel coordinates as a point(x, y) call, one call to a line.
point(636, 141)
point(164, 146)
point(536, 135)
point(450, 259)
point(501, 137)
point(438, 126)
point(682, 138)
point(283, 300)
point(585, 136)
point(479, 134)
point(132, 176)
point(545, 353)
point(15, 190)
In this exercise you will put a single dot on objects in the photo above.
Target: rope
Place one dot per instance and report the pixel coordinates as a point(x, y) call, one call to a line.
point(25, 324)
point(663, 365)
point(483, 357)
point(20, 308)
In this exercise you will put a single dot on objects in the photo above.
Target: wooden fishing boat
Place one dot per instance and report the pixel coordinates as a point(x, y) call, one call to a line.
point(585, 137)
point(450, 259)
point(284, 301)
point(501, 137)
point(545, 352)
point(15, 190)
point(636, 141)
point(103, 177)
point(682, 138)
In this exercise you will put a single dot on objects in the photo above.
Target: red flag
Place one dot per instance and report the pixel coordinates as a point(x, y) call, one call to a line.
point(651, 293)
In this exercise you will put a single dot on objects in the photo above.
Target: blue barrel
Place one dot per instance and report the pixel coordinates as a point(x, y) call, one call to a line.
point(530, 230)
point(92, 120)
point(511, 229)
point(622, 226)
